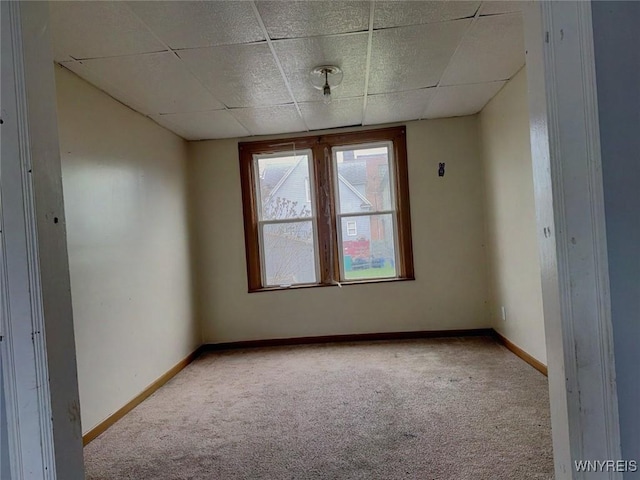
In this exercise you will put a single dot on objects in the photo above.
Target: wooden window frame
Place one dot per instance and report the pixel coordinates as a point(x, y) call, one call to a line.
point(327, 228)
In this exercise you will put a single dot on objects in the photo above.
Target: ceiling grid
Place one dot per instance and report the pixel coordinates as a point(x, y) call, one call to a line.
point(162, 118)
point(464, 36)
point(368, 65)
point(277, 60)
point(218, 69)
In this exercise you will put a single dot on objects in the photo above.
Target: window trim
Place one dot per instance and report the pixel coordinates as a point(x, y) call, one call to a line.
point(327, 227)
point(307, 190)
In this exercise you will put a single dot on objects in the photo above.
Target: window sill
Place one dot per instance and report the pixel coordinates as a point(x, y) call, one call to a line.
point(342, 284)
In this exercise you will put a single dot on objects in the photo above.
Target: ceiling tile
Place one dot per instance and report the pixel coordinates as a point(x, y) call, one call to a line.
point(98, 29)
point(496, 7)
point(83, 72)
point(461, 100)
point(310, 18)
point(299, 56)
point(239, 75)
point(158, 82)
point(341, 112)
point(409, 58)
point(402, 13)
point(492, 50)
point(200, 24)
point(202, 125)
point(270, 120)
point(397, 107)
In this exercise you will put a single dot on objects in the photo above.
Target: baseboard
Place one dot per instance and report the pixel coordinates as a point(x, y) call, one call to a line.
point(538, 365)
point(138, 399)
point(358, 337)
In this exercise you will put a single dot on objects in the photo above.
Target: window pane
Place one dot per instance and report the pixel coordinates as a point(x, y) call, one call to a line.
point(282, 186)
point(363, 179)
point(289, 253)
point(372, 252)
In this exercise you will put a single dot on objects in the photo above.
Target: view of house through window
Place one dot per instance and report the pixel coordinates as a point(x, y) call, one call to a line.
point(341, 223)
point(286, 218)
point(365, 211)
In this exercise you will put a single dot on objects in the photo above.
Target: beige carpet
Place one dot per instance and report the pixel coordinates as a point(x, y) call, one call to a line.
point(454, 409)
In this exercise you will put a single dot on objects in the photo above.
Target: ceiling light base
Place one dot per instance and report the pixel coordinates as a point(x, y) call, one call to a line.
point(331, 70)
point(324, 74)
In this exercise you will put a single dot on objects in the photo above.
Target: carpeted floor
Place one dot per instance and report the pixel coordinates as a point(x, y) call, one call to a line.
point(445, 409)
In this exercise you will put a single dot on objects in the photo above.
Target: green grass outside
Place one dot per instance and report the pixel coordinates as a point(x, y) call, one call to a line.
point(384, 272)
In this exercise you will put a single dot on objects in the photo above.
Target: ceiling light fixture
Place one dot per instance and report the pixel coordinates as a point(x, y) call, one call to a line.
point(324, 78)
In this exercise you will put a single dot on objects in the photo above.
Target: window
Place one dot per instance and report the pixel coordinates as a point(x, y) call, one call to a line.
point(352, 228)
point(327, 209)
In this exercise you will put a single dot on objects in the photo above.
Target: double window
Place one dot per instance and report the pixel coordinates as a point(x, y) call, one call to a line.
point(327, 209)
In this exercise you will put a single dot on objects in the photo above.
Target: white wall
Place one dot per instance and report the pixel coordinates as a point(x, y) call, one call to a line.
point(4, 439)
point(448, 235)
point(512, 252)
point(616, 40)
point(125, 198)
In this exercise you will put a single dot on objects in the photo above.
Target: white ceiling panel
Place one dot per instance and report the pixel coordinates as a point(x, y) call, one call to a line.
point(270, 120)
point(98, 29)
point(200, 24)
point(427, 58)
point(397, 107)
point(492, 50)
point(83, 72)
point(239, 75)
point(202, 125)
point(501, 6)
point(402, 13)
point(311, 18)
point(158, 82)
point(409, 58)
point(299, 56)
point(341, 112)
point(461, 100)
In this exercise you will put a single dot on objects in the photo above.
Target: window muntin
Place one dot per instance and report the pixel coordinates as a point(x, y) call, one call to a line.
point(379, 211)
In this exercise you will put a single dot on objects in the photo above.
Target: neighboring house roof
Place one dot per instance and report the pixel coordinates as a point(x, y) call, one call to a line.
point(354, 190)
point(284, 171)
point(354, 172)
point(273, 173)
point(277, 170)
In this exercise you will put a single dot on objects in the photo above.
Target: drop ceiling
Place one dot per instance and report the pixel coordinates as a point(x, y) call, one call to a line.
point(218, 69)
